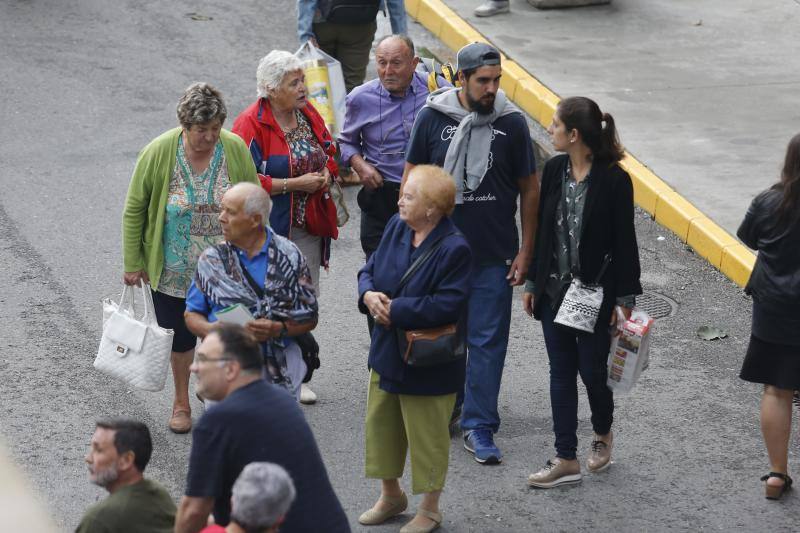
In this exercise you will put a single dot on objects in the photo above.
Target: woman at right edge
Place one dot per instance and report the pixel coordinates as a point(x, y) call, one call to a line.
point(585, 215)
point(772, 226)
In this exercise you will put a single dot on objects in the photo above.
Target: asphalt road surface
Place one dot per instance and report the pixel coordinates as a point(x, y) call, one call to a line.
point(86, 84)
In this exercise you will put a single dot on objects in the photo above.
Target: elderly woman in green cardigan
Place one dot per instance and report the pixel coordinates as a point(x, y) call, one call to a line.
point(171, 216)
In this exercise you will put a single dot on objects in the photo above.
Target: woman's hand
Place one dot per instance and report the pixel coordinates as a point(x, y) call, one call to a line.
point(309, 183)
point(620, 313)
point(378, 305)
point(527, 303)
point(135, 278)
point(263, 329)
point(326, 173)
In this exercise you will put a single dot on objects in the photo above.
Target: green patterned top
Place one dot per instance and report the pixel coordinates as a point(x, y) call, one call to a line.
point(192, 218)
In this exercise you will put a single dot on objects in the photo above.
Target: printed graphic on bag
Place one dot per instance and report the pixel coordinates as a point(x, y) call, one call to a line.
point(629, 352)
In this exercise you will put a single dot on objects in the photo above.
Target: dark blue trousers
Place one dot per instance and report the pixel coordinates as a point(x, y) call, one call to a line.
point(570, 353)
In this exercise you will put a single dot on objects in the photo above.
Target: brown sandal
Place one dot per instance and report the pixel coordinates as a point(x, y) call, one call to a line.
point(773, 492)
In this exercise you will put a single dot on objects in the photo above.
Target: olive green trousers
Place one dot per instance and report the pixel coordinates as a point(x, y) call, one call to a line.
point(397, 423)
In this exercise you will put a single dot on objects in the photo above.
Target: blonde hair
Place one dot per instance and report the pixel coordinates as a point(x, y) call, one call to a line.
point(436, 186)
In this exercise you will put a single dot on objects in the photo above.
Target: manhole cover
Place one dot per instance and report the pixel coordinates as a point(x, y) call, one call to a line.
point(657, 305)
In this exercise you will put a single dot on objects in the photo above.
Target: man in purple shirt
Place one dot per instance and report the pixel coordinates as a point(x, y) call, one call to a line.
point(377, 125)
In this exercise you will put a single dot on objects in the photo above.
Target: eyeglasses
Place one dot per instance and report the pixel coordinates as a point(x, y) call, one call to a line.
point(203, 359)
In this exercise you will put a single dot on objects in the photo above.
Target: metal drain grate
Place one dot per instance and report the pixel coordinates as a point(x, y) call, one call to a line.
point(657, 305)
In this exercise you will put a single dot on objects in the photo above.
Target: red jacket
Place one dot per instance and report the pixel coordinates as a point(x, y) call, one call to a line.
point(270, 151)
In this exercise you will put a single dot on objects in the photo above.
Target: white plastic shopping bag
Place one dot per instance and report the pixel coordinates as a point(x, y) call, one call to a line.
point(630, 352)
point(325, 82)
point(135, 350)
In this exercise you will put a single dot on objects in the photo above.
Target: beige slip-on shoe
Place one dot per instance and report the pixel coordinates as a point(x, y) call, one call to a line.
point(372, 517)
point(437, 521)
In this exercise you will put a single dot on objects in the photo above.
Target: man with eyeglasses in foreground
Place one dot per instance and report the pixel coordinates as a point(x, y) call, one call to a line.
point(253, 421)
point(378, 121)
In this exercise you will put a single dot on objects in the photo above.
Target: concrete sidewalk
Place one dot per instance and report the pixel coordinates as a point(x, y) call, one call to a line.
point(704, 93)
point(708, 111)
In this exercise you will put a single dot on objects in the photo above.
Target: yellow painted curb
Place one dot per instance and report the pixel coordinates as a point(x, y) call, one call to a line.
point(412, 7)
point(675, 213)
point(737, 263)
point(709, 240)
point(650, 192)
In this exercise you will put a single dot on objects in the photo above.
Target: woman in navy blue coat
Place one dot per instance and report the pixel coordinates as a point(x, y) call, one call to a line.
point(408, 407)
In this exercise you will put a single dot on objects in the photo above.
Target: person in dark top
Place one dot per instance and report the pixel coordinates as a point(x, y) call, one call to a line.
point(772, 226)
point(483, 141)
point(119, 453)
point(262, 495)
point(408, 407)
point(585, 231)
point(254, 421)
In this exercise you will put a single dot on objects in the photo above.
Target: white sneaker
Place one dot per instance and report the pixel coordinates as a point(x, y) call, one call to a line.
point(307, 396)
point(492, 7)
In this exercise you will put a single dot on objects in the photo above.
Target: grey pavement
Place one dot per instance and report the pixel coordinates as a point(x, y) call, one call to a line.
point(705, 93)
point(86, 84)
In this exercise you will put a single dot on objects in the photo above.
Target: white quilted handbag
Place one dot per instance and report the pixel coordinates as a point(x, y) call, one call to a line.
point(136, 351)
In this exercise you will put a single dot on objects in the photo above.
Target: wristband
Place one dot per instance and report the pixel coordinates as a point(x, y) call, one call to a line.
point(285, 185)
point(284, 329)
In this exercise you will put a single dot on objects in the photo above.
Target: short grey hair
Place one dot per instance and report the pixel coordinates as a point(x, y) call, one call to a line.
point(256, 200)
point(405, 39)
point(272, 68)
point(201, 103)
point(261, 495)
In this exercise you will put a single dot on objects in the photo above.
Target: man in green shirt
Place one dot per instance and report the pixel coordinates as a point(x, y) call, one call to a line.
point(119, 453)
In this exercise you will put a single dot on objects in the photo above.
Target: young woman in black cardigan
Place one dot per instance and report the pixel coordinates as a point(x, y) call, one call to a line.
point(585, 216)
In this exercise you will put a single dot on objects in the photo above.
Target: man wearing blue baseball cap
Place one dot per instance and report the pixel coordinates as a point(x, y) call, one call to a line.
point(483, 141)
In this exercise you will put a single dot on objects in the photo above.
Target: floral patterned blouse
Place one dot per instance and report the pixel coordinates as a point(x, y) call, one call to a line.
point(192, 218)
point(307, 156)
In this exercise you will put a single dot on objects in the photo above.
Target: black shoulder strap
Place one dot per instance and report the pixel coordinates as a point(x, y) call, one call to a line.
point(420, 260)
point(253, 285)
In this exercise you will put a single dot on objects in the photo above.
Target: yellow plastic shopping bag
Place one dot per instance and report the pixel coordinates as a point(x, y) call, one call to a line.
point(325, 82)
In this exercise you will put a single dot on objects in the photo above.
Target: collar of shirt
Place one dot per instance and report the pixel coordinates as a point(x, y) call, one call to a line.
point(387, 126)
point(568, 174)
point(243, 253)
point(417, 84)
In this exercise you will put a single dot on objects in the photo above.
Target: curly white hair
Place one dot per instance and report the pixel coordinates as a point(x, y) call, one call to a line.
point(272, 68)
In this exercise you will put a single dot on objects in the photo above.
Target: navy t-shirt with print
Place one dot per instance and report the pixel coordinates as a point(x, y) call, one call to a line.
point(261, 422)
point(487, 216)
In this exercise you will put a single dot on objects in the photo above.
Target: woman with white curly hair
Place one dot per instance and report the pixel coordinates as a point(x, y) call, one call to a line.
point(171, 215)
point(293, 153)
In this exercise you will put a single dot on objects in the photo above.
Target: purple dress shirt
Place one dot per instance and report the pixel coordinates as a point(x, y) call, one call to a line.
point(377, 125)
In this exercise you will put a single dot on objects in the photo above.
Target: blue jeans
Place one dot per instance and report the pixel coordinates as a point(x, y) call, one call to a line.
point(571, 353)
point(488, 320)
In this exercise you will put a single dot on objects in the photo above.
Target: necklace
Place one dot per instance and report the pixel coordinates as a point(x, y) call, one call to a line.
point(287, 128)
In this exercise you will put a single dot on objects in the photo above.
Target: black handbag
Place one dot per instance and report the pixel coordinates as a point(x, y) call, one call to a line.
point(431, 346)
